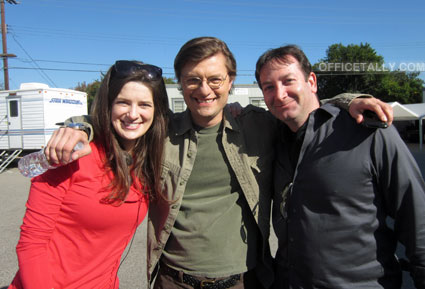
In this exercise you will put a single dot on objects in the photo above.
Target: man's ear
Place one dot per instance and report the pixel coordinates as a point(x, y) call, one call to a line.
point(312, 80)
point(231, 79)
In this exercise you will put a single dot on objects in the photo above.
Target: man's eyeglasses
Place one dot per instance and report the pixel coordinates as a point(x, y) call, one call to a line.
point(124, 68)
point(214, 82)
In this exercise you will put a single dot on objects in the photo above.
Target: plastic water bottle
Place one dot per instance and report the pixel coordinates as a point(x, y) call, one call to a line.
point(36, 163)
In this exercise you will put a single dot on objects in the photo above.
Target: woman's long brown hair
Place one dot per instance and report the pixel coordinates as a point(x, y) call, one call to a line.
point(144, 163)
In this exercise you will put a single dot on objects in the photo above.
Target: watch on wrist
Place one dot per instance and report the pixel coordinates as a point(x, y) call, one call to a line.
point(79, 126)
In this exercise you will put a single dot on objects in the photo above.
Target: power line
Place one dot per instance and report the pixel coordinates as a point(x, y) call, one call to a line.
point(339, 14)
point(71, 62)
point(84, 63)
point(106, 7)
point(67, 69)
point(348, 73)
point(38, 68)
point(168, 41)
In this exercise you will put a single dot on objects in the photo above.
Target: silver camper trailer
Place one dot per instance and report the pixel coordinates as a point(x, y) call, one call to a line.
point(28, 117)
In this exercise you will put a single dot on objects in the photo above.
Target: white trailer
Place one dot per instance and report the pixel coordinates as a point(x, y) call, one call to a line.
point(28, 116)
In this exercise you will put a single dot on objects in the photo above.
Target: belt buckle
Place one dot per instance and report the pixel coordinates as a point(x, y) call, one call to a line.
point(207, 283)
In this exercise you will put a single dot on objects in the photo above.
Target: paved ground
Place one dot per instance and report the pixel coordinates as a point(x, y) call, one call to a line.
point(13, 195)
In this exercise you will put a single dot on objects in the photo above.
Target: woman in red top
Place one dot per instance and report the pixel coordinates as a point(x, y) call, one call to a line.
point(80, 217)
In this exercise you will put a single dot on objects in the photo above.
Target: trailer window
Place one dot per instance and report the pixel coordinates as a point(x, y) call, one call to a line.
point(258, 101)
point(13, 108)
point(178, 105)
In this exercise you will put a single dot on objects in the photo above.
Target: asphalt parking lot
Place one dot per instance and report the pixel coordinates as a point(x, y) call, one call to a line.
point(13, 196)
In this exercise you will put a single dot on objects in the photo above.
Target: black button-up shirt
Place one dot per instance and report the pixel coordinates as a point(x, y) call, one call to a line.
point(331, 207)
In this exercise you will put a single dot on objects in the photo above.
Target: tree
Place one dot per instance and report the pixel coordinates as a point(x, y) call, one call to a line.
point(169, 80)
point(91, 90)
point(404, 87)
point(358, 68)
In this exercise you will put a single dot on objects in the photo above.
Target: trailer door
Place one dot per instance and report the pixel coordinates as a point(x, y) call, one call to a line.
point(15, 122)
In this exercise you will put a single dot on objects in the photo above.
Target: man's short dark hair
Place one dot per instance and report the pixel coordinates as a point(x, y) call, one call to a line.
point(281, 54)
point(198, 49)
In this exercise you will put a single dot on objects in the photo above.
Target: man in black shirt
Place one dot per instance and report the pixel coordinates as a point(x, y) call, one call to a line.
point(336, 184)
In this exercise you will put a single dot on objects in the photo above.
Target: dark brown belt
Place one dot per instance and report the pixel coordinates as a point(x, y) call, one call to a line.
point(203, 283)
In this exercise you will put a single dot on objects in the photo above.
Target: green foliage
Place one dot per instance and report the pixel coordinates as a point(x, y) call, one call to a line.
point(403, 87)
point(91, 90)
point(353, 53)
point(358, 68)
point(169, 80)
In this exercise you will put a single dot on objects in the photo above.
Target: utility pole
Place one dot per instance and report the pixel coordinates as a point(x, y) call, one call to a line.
point(5, 55)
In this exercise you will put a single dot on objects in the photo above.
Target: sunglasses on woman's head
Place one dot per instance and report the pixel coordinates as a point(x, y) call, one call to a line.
point(124, 68)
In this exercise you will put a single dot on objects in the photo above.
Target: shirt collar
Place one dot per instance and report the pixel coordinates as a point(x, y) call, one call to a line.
point(229, 121)
point(182, 122)
point(320, 116)
point(329, 109)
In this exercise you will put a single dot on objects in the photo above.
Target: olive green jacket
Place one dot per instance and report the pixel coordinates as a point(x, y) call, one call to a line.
point(248, 142)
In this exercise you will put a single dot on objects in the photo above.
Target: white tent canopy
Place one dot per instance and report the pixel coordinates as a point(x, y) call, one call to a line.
point(408, 111)
point(415, 111)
